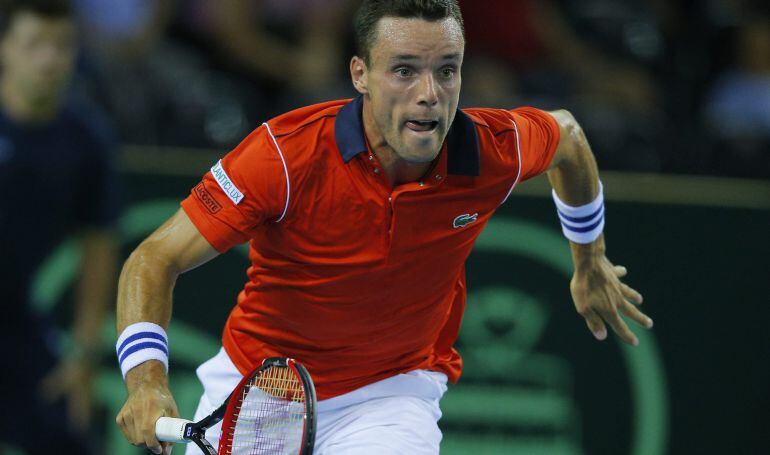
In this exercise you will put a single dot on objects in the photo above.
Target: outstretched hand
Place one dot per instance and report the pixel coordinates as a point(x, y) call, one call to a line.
point(72, 379)
point(601, 297)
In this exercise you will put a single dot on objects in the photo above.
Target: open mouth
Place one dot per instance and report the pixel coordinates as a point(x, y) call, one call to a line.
point(422, 125)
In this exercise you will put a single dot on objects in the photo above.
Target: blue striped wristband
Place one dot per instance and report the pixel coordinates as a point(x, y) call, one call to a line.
point(582, 224)
point(139, 343)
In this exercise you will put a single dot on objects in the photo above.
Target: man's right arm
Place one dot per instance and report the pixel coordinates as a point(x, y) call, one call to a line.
point(145, 295)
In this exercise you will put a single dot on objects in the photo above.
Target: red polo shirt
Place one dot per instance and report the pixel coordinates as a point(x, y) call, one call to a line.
point(355, 280)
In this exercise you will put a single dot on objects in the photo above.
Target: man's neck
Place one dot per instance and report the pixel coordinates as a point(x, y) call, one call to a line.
point(23, 110)
point(397, 170)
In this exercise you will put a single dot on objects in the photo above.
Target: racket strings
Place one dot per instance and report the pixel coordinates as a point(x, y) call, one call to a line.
point(270, 415)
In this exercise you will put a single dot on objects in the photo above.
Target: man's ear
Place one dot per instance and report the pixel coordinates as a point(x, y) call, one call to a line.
point(358, 74)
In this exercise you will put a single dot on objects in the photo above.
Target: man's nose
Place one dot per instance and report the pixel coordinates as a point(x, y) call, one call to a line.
point(427, 91)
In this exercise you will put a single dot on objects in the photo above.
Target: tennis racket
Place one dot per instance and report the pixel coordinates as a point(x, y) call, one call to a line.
point(271, 411)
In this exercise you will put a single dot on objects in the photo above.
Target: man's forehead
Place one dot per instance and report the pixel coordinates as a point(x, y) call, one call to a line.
point(413, 36)
point(405, 57)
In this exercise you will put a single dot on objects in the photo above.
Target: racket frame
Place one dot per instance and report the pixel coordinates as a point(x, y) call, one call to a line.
point(228, 408)
point(195, 432)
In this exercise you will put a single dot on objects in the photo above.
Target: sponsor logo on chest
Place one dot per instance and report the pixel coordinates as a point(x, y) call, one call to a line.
point(464, 220)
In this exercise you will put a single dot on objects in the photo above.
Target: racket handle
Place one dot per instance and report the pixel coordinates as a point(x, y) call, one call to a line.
point(169, 429)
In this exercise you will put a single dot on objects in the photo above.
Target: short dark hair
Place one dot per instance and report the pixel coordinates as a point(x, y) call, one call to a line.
point(371, 11)
point(52, 9)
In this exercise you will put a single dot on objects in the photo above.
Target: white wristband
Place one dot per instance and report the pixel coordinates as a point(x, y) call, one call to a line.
point(582, 224)
point(139, 343)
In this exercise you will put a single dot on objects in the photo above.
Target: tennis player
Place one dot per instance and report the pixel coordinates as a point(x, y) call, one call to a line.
point(360, 215)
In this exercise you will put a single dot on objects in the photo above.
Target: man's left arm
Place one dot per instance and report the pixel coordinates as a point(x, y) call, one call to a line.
point(597, 290)
point(75, 374)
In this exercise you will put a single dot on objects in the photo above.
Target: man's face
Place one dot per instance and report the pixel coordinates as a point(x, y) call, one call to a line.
point(38, 55)
point(413, 83)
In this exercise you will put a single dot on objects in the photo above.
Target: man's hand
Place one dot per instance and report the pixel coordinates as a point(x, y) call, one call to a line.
point(600, 297)
point(72, 379)
point(148, 400)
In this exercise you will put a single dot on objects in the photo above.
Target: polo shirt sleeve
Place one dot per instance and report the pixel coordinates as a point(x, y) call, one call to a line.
point(243, 193)
point(538, 140)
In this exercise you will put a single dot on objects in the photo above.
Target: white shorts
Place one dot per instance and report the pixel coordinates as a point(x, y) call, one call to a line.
point(398, 415)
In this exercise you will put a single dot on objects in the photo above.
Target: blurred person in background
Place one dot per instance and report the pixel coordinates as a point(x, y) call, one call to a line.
point(124, 62)
point(534, 52)
point(296, 43)
point(542, 41)
point(238, 62)
point(737, 107)
point(56, 180)
point(127, 28)
point(196, 73)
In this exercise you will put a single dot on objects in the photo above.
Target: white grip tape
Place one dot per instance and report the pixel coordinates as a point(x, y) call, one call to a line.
point(170, 429)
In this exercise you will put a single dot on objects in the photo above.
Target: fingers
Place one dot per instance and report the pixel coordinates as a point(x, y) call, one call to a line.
point(53, 386)
point(125, 422)
point(628, 292)
point(152, 443)
point(139, 429)
point(601, 297)
point(635, 315)
point(619, 327)
point(595, 325)
point(167, 447)
point(146, 432)
point(631, 294)
point(79, 406)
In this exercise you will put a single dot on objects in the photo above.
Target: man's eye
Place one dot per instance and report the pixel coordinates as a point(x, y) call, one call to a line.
point(448, 72)
point(404, 72)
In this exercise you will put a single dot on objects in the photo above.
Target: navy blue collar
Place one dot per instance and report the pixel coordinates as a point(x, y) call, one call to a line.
point(462, 140)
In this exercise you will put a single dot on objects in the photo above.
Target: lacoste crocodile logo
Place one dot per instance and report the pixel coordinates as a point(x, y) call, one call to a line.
point(464, 220)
